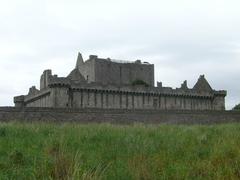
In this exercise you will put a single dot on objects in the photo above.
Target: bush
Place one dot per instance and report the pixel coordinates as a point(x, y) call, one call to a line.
point(139, 82)
point(236, 108)
point(2, 132)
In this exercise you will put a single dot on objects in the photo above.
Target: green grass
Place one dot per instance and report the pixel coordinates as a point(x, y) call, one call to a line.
point(104, 151)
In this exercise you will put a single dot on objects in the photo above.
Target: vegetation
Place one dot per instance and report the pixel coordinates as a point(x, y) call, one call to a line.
point(139, 82)
point(76, 151)
point(237, 108)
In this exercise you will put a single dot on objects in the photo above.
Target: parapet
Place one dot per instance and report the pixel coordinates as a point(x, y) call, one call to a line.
point(19, 101)
point(19, 98)
point(220, 93)
point(107, 77)
point(92, 57)
point(59, 81)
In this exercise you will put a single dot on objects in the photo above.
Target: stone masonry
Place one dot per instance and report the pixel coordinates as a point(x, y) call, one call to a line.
point(115, 84)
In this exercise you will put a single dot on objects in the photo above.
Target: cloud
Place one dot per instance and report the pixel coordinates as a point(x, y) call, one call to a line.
point(182, 38)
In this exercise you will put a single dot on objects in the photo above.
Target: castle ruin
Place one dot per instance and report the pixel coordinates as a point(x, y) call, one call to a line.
point(113, 84)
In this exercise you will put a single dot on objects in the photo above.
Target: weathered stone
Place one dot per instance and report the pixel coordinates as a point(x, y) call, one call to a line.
point(108, 84)
point(119, 116)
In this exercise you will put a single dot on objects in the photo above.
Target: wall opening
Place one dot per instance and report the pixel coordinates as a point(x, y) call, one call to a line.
point(120, 74)
point(87, 78)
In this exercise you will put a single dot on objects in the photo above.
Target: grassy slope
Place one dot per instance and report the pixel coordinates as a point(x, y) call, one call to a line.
point(51, 151)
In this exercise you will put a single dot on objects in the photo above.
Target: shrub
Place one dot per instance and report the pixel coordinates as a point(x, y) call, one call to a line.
point(236, 108)
point(139, 82)
point(2, 132)
point(16, 158)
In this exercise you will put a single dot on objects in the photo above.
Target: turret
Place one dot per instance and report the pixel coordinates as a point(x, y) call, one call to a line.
point(59, 91)
point(45, 78)
point(19, 101)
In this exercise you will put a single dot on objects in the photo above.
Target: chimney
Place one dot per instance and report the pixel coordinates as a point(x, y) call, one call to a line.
point(93, 57)
point(159, 84)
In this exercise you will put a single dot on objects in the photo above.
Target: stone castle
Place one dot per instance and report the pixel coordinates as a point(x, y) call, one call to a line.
point(114, 84)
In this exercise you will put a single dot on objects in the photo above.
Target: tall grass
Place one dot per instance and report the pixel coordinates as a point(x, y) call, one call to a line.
point(104, 151)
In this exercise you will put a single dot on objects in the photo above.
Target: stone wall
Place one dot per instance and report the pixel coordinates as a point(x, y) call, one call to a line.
point(87, 98)
point(8, 114)
point(108, 84)
point(87, 69)
point(106, 71)
point(41, 99)
point(64, 97)
point(44, 80)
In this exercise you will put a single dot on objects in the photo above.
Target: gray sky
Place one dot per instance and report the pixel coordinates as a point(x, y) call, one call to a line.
point(183, 38)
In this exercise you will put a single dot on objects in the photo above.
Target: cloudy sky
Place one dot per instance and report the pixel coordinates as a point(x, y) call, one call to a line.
point(183, 38)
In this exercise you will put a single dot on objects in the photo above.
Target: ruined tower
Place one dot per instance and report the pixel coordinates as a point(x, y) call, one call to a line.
point(116, 84)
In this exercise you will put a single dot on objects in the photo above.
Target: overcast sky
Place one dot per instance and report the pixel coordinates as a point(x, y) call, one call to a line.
point(183, 38)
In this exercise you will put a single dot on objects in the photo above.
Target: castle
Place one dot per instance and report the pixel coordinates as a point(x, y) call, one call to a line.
point(114, 84)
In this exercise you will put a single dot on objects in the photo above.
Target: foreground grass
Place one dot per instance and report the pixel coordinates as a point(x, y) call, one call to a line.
point(75, 151)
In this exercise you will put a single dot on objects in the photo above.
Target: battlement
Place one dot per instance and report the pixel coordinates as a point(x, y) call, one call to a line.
point(59, 81)
point(19, 101)
point(220, 93)
point(116, 84)
point(96, 58)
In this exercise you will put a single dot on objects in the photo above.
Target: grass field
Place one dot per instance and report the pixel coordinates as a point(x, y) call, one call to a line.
point(76, 151)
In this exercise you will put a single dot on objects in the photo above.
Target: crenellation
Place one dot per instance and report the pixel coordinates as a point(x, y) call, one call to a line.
point(116, 84)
